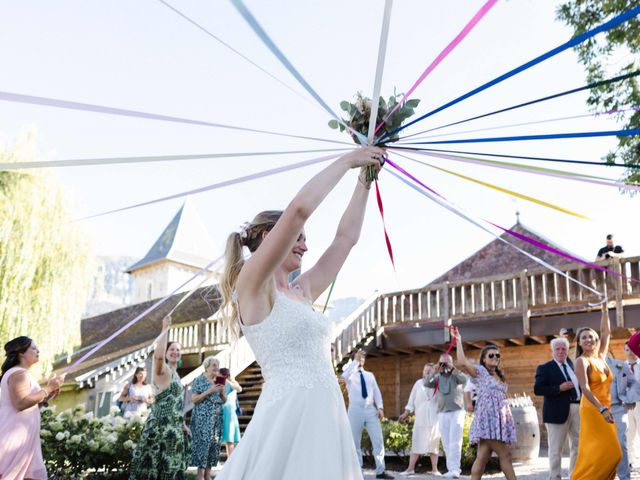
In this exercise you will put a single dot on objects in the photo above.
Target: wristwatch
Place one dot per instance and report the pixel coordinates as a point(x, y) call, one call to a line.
point(603, 409)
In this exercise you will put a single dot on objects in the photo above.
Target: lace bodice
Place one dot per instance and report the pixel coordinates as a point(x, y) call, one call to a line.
point(293, 347)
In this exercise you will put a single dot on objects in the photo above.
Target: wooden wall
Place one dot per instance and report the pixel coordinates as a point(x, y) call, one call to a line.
point(397, 374)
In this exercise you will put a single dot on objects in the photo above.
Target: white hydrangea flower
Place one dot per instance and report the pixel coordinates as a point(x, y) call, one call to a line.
point(75, 439)
point(60, 436)
point(129, 445)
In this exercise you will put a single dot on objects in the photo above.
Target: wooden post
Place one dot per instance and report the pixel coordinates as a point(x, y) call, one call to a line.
point(446, 312)
point(201, 346)
point(524, 303)
point(617, 267)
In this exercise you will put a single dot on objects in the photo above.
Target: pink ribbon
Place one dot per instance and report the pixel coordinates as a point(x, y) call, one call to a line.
point(443, 54)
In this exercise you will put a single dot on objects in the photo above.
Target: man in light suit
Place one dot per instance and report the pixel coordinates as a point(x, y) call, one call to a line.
point(365, 410)
point(625, 392)
point(558, 384)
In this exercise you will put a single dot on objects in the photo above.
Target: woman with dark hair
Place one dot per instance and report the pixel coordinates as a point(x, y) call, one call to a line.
point(20, 395)
point(230, 423)
point(136, 394)
point(599, 451)
point(299, 427)
point(162, 452)
point(493, 428)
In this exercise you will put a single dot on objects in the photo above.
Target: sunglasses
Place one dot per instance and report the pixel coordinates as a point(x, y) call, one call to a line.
point(493, 355)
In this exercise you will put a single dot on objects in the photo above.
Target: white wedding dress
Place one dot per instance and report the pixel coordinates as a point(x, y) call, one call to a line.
point(299, 428)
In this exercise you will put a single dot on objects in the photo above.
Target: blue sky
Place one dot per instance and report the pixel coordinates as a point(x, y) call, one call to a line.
point(140, 55)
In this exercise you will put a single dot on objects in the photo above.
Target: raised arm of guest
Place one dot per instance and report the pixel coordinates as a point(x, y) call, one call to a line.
point(605, 331)
point(462, 362)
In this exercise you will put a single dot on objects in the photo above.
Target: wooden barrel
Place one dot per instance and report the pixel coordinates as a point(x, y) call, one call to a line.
point(527, 446)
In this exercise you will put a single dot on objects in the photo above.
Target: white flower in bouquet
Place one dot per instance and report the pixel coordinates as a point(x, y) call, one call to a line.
point(114, 410)
point(44, 433)
point(129, 445)
point(75, 439)
point(88, 416)
point(60, 436)
point(111, 438)
point(93, 445)
point(119, 421)
point(56, 426)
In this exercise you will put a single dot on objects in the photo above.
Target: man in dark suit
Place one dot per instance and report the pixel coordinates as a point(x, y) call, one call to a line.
point(557, 383)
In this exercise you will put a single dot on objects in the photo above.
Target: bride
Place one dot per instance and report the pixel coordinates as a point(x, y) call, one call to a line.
point(299, 428)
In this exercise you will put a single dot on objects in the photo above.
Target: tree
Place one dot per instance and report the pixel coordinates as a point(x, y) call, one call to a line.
point(608, 54)
point(44, 259)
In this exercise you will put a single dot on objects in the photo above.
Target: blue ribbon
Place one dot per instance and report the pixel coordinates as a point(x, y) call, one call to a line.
point(257, 28)
point(531, 102)
point(629, 14)
point(519, 157)
point(609, 133)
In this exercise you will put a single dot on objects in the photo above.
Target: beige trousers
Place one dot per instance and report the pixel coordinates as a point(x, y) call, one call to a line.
point(558, 434)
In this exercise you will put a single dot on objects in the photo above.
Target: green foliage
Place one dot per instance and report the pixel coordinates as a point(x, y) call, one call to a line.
point(75, 444)
point(606, 55)
point(396, 436)
point(44, 261)
point(358, 114)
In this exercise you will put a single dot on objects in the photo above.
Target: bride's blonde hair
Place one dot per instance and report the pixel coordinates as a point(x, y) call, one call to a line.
point(250, 236)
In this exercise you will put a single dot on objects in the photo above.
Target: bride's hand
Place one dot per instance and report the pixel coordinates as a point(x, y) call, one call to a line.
point(363, 157)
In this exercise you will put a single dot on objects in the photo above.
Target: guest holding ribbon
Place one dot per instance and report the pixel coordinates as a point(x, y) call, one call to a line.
point(425, 439)
point(365, 409)
point(162, 451)
point(493, 428)
point(206, 423)
point(230, 423)
point(625, 392)
point(599, 451)
point(136, 394)
point(20, 396)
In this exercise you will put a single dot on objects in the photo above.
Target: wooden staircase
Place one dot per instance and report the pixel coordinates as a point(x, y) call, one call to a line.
point(251, 381)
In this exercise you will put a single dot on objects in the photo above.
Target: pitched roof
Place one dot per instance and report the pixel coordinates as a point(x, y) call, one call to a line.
point(498, 258)
point(203, 303)
point(185, 240)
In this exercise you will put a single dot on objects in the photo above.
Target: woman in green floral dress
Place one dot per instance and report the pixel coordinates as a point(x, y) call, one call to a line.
point(206, 422)
point(162, 452)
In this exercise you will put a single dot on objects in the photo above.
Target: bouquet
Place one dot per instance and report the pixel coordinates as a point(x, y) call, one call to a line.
point(358, 119)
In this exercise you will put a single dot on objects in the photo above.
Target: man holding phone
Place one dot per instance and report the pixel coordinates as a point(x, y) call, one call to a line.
point(448, 383)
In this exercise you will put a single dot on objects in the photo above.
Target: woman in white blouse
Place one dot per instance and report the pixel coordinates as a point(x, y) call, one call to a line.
point(426, 436)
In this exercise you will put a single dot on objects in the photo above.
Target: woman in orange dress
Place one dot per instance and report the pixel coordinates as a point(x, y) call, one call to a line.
point(599, 451)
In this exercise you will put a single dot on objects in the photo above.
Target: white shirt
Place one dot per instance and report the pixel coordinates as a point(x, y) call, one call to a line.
point(354, 386)
point(572, 376)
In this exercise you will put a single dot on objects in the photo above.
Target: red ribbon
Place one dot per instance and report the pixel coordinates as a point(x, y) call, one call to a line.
point(384, 226)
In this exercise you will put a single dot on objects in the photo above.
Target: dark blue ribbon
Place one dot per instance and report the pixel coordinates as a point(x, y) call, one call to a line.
point(610, 133)
point(519, 157)
point(629, 14)
point(531, 102)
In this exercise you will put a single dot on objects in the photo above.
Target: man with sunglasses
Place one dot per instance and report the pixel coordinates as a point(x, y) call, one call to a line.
point(448, 383)
point(558, 384)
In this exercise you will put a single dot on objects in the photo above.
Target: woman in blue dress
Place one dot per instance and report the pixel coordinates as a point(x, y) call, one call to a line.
point(230, 424)
point(206, 422)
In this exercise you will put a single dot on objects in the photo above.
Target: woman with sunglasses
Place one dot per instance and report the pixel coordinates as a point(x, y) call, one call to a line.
point(493, 428)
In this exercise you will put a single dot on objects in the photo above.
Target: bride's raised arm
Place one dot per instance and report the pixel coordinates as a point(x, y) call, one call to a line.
point(277, 244)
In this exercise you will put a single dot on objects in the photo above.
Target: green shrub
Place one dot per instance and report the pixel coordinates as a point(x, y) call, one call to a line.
point(396, 436)
point(75, 443)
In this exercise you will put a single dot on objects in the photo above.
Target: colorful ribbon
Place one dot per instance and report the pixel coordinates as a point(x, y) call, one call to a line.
point(536, 170)
point(377, 83)
point(83, 162)
point(415, 183)
point(504, 190)
point(619, 19)
point(531, 102)
point(442, 55)
point(88, 107)
point(520, 157)
point(384, 225)
point(549, 136)
point(215, 186)
point(525, 124)
point(270, 44)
